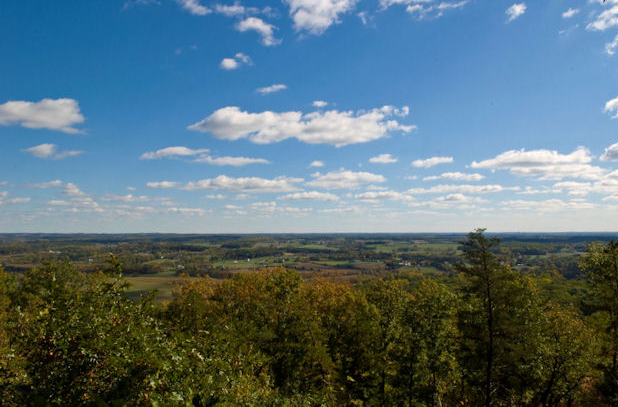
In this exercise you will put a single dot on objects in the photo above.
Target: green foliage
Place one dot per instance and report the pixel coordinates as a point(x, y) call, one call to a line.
point(484, 336)
point(600, 266)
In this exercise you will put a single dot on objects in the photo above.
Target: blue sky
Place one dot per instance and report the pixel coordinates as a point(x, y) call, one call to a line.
point(308, 116)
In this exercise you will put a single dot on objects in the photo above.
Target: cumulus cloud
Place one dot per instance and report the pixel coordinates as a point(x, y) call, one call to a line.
point(515, 11)
point(604, 20)
point(456, 200)
point(233, 10)
point(48, 184)
point(233, 161)
point(247, 184)
point(271, 89)
point(430, 162)
point(550, 205)
point(610, 47)
point(312, 196)
point(319, 103)
point(383, 159)
point(236, 62)
point(423, 9)
point(265, 30)
point(194, 7)
point(52, 114)
point(611, 153)
point(4, 199)
point(570, 12)
point(176, 152)
point(329, 127)
point(72, 189)
point(545, 164)
point(48, 150)
point(123, 198)
point(315, 164)
point(464, 189)
point(172, 152)
point(612, 106)
point(162, 184)
point(455, 176)
point(344, 179)
point(76, 200)
point(315, 16)
point(272, 207)
point(186, 211)
point(377, 196)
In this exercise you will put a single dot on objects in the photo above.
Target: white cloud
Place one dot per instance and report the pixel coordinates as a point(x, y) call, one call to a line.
point(315, 164)
point(186, 211)
point(234, 161)
point(175, 152)
point(455, 176)
point(347, 209)
point(77, 201)
point(49, 184)
point(606, 19)
point(72, 190)
point(311, 195)
point(421, 9)
point(42, 150)
point(612, 106)
point(610, 47)
point(56, 202)
point(319, 103)
point(52, 114)
point(233, 10)
point(228, 64)
point(162, 184)
point(550, 205)
point(545, 164)
point(430, 162)
point(265, 30)
point(172, 152)
point(343, 179)
point(456, 200)
point(213, 196)
point(383, 159)
point(248, 184)
point(123, 198)
point(271, 89)
point(515, 11)
point(377, 196)
point(315, 16)
point(606, 185)
point(611, 153)
point(236, 62)
point(570, 12)
point(330, 127)
point(48, 150)
point(194, 7)
point(4, 195)
point(459, 198)
point(271, 207)
point(465, 189)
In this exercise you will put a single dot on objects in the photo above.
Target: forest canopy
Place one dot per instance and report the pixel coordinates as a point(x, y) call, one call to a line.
point(489, 335)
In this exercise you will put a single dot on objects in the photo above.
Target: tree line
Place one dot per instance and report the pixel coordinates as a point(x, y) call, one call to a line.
point(268, 338)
